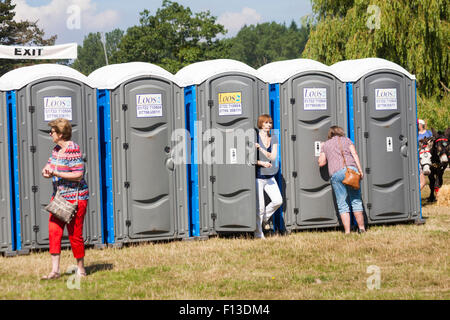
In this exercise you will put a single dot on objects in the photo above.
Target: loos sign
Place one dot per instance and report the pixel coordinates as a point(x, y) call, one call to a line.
point(315, 98)
point(385, 99)
point(149, 105)
point(57, 107)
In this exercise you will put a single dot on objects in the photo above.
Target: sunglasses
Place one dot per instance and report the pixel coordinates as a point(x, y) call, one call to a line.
point(52, 132)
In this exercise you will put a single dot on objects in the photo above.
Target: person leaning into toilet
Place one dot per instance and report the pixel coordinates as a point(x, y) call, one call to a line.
point(332, 151)
point(66, 168)
point(267, 147)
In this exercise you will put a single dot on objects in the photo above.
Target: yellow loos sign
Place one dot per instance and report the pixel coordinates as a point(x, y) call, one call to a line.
point(229, 97)
point(230, 103)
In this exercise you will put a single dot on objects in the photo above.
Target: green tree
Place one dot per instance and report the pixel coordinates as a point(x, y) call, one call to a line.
point(257, 45)
point(413, 34)
point(18, 33)
point(172, 38)
point(112, 42)
point(91, 55)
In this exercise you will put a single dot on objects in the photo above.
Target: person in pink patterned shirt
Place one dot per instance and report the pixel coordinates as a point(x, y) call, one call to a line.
point(66, 167)
point(332, 151)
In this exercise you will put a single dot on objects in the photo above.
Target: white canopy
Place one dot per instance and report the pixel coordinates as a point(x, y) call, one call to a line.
point(110, 77)
point(353, 70)
point(196, 73)
point(19, 78)
point(280, 71)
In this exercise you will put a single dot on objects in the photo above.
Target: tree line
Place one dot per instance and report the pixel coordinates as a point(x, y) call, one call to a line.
point(175, 37)
point(413, 34)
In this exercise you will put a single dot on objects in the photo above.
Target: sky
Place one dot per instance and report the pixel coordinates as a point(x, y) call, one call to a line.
point(72, 20)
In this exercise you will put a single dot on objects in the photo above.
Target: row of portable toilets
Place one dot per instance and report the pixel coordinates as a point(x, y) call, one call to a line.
point(135, 121)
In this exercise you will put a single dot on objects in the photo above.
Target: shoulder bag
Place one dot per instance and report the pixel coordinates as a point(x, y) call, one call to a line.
point(351, 176)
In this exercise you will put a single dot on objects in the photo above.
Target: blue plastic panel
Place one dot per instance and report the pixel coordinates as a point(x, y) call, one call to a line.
point(192, 171)
point(11, 102)
point(350, 122)
point(274, 98)
point(418, 158)
point(106, 190)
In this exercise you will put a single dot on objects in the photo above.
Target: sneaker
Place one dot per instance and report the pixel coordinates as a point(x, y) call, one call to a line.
point(361, 231)
point(265, 226)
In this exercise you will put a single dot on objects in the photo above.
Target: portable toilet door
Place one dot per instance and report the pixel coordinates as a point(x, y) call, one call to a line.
point(382, 109)
point(41, 93)
point(310, 99)
point(6, 221)
point(224, 98)
point(145, 184)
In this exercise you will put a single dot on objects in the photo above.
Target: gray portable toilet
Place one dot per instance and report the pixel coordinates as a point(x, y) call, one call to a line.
point(144, 186)
point(223, 99)
point(307, 99)
point(383, 125)
point(6, 219)
point(36, 95)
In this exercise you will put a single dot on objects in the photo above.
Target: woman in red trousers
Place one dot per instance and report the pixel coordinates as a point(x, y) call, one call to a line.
point(66, 168)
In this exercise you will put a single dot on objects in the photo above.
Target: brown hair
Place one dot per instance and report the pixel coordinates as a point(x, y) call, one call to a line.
point(264, 118)
point(335, 131)
point(62, 126)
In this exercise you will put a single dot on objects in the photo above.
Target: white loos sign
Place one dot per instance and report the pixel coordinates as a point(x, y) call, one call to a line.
point(57, 107)
point(385, 99)
point(149, 105)
point(315, 98)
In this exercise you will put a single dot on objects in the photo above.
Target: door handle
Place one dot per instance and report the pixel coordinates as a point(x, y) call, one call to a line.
point(404, 150)
point(170, 164)
point(404, 146)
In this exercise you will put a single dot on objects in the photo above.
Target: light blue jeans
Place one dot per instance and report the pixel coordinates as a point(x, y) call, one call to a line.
point(346, 196)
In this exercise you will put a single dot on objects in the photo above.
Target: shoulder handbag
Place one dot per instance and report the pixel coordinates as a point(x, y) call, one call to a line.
point(60, 207)
point(351, 176)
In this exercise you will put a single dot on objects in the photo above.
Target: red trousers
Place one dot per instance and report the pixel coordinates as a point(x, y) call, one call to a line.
point(75, 229)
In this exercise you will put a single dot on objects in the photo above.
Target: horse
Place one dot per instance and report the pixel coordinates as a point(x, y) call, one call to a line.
point(440, 151)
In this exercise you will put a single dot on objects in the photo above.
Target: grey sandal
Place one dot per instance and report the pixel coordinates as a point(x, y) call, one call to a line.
point(81, 274)
point(51, 276)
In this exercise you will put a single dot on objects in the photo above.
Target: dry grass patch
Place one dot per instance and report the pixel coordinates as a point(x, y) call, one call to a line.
point(443, 199)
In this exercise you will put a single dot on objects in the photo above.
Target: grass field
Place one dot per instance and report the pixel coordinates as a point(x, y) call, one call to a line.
point(412, 262)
